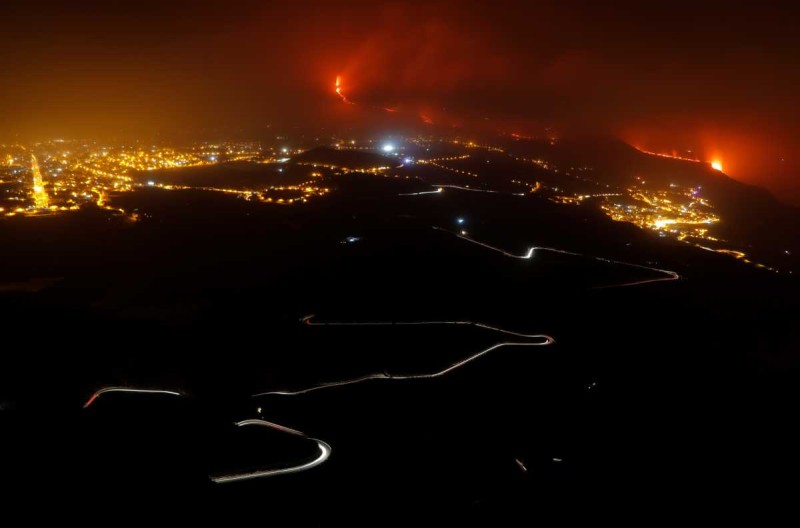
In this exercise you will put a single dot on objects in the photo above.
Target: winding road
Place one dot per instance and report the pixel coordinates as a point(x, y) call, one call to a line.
point(670, 275)
point(324, 454)
point(540, 340)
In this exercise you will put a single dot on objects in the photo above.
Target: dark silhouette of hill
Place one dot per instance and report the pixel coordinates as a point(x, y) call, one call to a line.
point(234, 175)
point(352, 159)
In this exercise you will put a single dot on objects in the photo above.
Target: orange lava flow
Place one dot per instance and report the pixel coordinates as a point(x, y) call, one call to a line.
point(667, 155)
point(339, 90)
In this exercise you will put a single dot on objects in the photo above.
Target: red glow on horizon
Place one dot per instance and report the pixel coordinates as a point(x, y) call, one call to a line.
point(674, 155)
point(716, 162)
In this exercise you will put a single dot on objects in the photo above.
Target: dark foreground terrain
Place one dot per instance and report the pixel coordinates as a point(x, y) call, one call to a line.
point(661, 396)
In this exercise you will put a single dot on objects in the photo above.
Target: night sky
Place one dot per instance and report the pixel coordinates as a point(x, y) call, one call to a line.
point(720, 80)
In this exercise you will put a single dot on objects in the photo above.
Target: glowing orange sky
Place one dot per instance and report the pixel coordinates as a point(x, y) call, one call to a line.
point(712, 77)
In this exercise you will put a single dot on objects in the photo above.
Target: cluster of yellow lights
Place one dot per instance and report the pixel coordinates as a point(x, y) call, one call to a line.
point(40, 198)
point(532, 187)
point(345, 170)
point(567, 200)
point(435, 163)
point(67, 176)
point(154, 159)
point(541, 163)
point(296, 193)
point(679, 211)
point(577, 199)
point(448, 158)
point(472, 144)
point(90, 174)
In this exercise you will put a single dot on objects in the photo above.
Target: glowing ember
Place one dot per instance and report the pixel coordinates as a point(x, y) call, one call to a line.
point(716, 165)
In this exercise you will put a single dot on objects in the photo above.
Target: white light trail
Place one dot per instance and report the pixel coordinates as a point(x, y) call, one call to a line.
point(670, 275)
point(441, 187)
point(324, 454)
point(473, 190)
point(105, 390)
point(308, 321)
point(544, 340)
point(278, 427)
point(437, 191)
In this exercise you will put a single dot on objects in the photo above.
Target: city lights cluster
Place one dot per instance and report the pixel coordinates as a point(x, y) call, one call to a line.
point(679, 211)
point(532, 187)
point(277, 194)
point(58, 176)
point(347, 170)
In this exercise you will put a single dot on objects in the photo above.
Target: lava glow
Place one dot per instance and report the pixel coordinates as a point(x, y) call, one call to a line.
point(669, 156)
point(716, 165)
point(339, 90)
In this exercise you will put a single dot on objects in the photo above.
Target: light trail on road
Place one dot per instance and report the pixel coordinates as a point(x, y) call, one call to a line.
point(277, 427)
point(106, 390)
point(543, 340)
point(739, 255)
point(324, 454)
point(474, 190)
point(437, 191)
point(671, 275)
point(455, 171)
point(441, 187)
point(307, 320)
point(324, 448)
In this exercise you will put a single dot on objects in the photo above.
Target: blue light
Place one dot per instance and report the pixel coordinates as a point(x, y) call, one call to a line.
point(388, 147)
point(460, 221)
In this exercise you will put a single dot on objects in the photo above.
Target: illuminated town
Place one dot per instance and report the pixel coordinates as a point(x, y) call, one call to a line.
point(60, 176)
point(678, 211)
